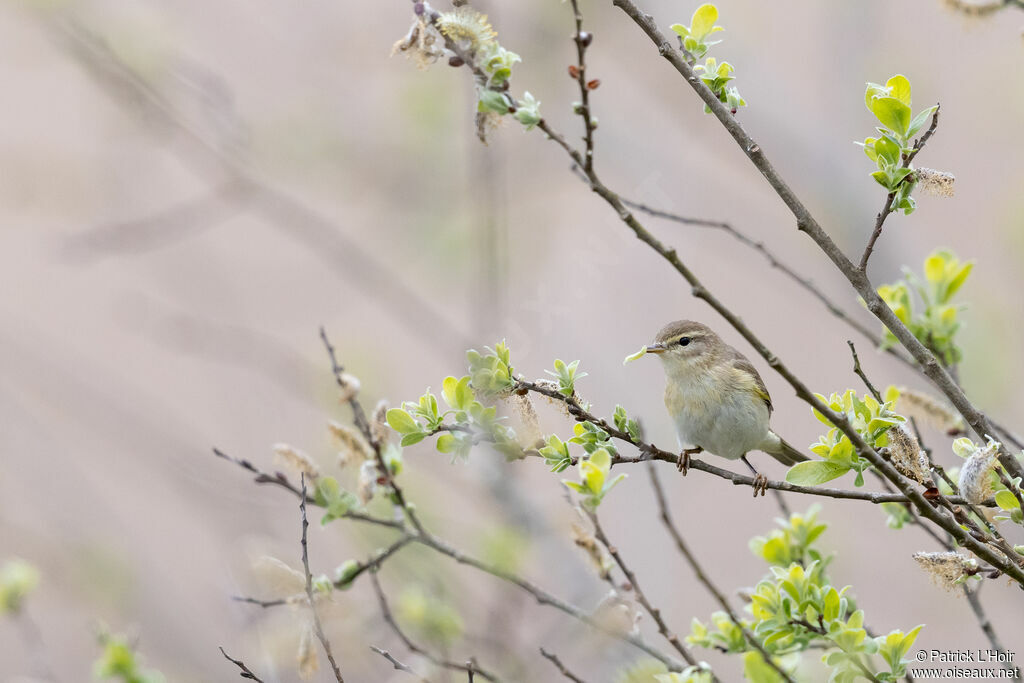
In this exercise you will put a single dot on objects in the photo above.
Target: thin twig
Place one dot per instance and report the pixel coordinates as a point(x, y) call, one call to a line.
point(702, 576)
point(891, 197)
point(860, 373)
point(246, 672)
point(553, 658)
point(399, 666)
point(309, 587)
point(363, 424)
point(389, 617)
point(974, 600)
point(582, 41)
point(655, 613)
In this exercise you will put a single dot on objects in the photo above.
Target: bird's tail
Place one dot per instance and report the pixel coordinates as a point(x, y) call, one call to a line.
point(779, 449)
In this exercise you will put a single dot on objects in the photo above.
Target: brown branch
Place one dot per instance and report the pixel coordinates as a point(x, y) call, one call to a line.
point(399, 666)
point(655, 613)
point(582, 40)
point(974, 600)
point(471, 667)
point(930, 365)
point(649, 451)
point(666, 519)
point(279, 479)
point(860, 373)
point(891, 197)
point(246, 672)
point(309, 587)
point(553, 658)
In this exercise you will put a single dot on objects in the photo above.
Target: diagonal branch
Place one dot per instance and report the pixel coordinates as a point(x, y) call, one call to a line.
point(562, 669)
point(399, 666)
point(891, 197)
point(655, 613)
point(246, 673)
point(471, 667)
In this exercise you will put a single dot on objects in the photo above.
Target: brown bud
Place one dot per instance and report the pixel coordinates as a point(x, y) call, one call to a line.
point(593, 84)
point(456, 61)
point(574, 71)
point(585, 37)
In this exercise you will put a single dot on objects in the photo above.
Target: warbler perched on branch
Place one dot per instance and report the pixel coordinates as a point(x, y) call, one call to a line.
point(716, 399)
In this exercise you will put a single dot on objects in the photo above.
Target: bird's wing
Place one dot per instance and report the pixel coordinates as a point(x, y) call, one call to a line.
point(747, 368)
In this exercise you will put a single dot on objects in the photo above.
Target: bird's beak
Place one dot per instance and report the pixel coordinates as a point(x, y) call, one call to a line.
point(656, 348)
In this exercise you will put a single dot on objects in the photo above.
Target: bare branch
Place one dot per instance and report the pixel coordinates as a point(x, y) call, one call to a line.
point(246, 673)
point(582, 40)
point(399, 666)
point(470, 667)
point(655, 613)
point(309, 587)
point(860, 373)
point(553, 658)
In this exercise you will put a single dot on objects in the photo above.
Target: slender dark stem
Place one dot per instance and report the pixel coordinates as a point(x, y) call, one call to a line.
point(398, 665)
point(860, 373)
point(582, 40)
point(321, 636)
point(245, 671)
point(562, 669)
point(891, 197)
point(655, 613)
point(702, 576)
point(389, 617)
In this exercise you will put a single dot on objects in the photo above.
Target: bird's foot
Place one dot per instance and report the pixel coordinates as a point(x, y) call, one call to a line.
point(683, 463)
point(760, 484)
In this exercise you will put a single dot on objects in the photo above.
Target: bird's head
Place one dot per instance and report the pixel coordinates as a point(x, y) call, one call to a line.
point(684, 345)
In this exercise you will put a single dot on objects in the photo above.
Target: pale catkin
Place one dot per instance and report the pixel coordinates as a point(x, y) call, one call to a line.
point(907, 456)
point(307, 660)
point(928, 409)
point(423, 45)
point(296, 460)
point(975, 475)
point(936, 183)
point(946, 569)
point(379, 429)
point(352, 446)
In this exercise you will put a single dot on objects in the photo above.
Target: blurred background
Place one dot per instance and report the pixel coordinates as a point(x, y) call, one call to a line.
point(188, 191)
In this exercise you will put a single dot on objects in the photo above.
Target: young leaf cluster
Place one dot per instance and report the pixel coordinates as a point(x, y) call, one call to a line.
point(119, 660)
point(935, 322)
point(890, 103)
point(795, 608)
point(694, 40)
point(868, 417)
point(18, 578)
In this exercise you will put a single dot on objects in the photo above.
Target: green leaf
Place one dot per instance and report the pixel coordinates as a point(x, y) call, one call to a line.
point(1007, 500)
point(401, 421)
point(958, 280)
point(892, 113)
point(899, 87)
point(815, 472)
point(703, 20)
point(414, 438)
point(446, 443)
point(918, 122)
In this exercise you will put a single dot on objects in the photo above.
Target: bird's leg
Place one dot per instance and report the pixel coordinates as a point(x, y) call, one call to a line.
point(760, 481)
point(683, 463)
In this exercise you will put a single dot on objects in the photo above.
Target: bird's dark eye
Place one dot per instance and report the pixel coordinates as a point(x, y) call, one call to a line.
point(684, 341)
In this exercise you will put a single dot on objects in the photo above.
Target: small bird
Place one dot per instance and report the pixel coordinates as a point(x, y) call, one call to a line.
point(716, 398)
